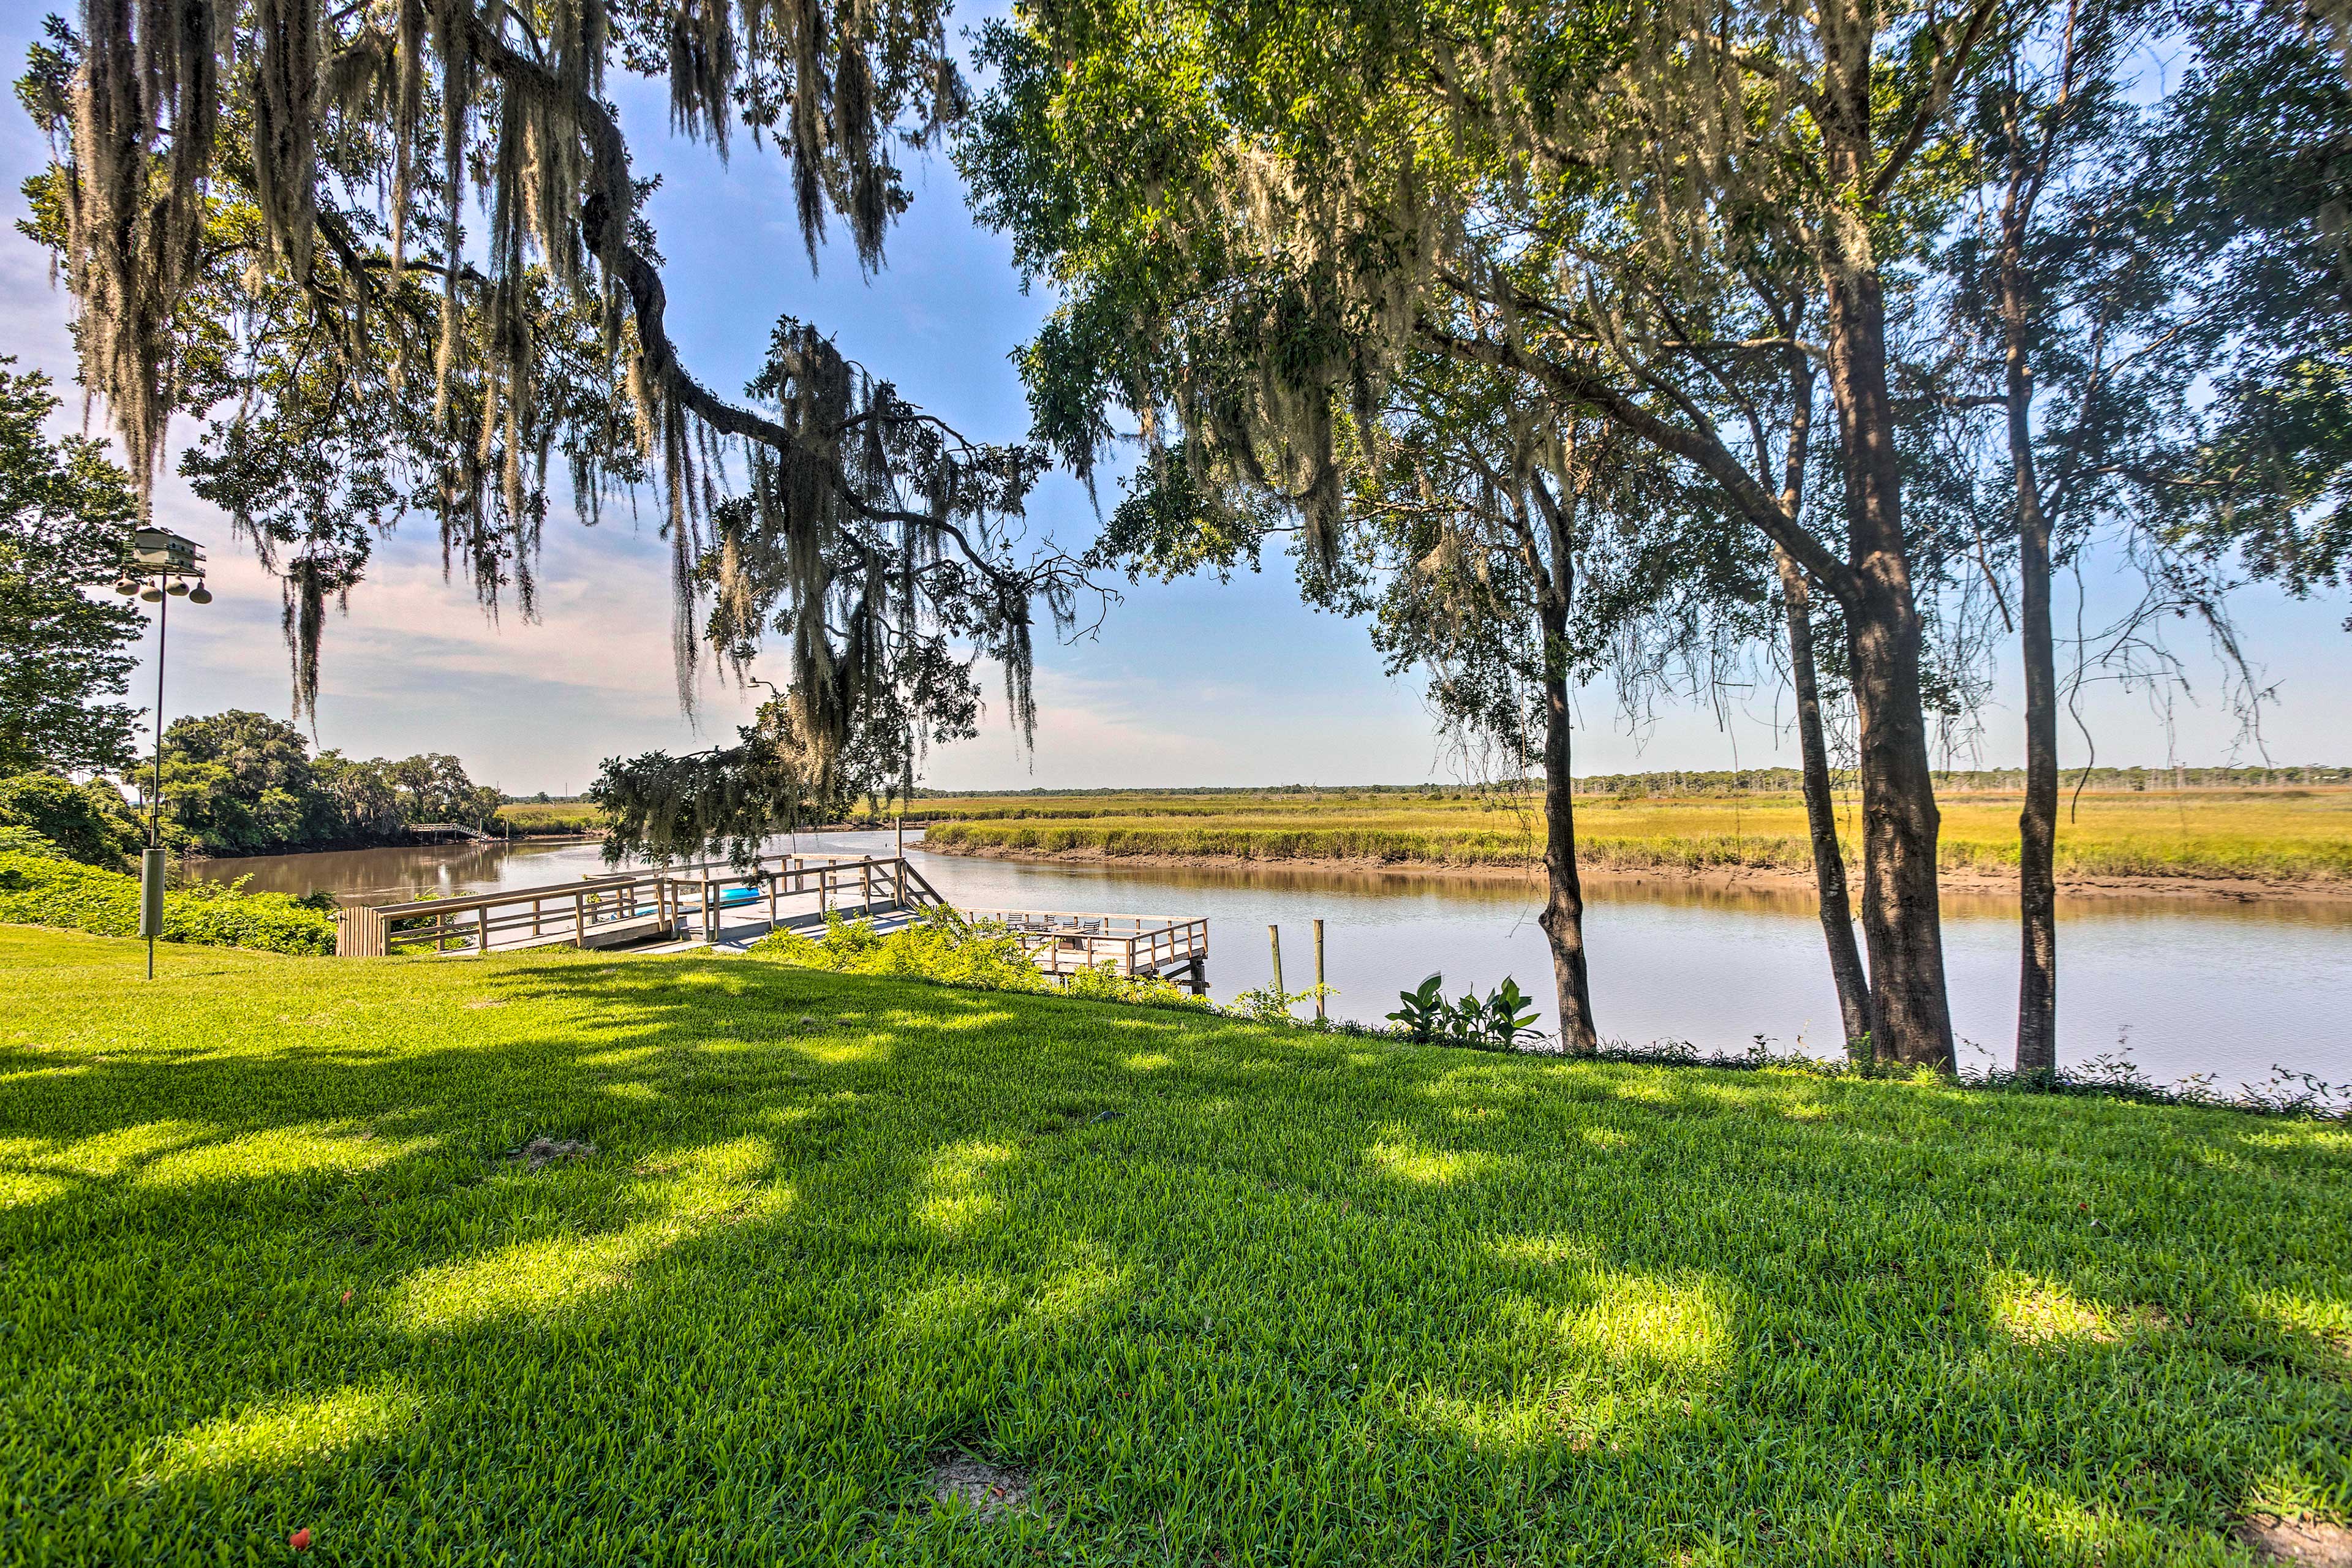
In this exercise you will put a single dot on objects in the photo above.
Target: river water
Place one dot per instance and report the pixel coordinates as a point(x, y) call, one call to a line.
point(2184, 986)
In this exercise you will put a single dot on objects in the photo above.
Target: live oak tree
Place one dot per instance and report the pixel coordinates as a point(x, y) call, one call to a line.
point(1514, 553)
point(396, 251)
point(2248, 172)
point(1523, 188)
point(2064, 327)
point(64, 644)
point(1507, 553)
point(2147, 299)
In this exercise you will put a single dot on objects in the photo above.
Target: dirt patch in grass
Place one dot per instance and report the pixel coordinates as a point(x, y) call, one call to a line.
point(2311, 1543)
point(549, 1150)
point(990, 1490)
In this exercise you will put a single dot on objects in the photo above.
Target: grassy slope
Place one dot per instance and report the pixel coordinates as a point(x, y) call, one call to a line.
point(264, 1265)
point(2294, 835)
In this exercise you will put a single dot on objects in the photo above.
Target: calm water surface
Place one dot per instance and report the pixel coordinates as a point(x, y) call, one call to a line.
point(2185, 986)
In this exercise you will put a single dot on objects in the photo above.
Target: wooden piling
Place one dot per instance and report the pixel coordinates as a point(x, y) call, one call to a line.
point(1319, 970)
point(1273, 935)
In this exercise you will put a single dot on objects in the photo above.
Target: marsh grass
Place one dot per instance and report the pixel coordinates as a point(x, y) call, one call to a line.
point(550, 818)
point(1217, 1293)
point(2293, 836)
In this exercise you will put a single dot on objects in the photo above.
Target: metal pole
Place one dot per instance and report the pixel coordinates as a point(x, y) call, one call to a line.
point(1273, 935)
point(153, 866)
point(1318, 969)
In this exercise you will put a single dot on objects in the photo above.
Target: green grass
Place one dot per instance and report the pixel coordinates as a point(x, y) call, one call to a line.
point(2302, 835)
point(1229, 1294)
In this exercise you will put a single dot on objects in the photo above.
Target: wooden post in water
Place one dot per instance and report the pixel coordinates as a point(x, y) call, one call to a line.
point(1273, 935)
point(902, 835)
point(1319, 970)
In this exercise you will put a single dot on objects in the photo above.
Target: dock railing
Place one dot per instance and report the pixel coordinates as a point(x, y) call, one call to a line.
point(597, 912)
point(1132, 944)
point(625, 907)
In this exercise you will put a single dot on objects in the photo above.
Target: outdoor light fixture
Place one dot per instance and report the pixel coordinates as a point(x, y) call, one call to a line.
point(164, 566)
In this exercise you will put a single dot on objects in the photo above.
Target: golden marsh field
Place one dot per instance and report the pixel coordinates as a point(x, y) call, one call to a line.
point(2297, 835)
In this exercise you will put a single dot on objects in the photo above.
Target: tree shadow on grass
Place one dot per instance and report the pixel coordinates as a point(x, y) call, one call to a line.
point(1221, 1290)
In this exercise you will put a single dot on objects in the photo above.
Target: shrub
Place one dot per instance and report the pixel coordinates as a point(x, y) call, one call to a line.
point(89, 823)
point(14, 840)
point(38, 891)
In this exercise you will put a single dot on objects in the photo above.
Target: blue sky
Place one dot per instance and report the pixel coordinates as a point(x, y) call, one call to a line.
point(1190, 683)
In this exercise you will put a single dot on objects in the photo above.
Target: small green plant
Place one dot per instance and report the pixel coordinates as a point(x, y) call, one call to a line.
point(1508, 1015)
point(1499, 1022)
point(1270, 1004)
point(1426, 1012)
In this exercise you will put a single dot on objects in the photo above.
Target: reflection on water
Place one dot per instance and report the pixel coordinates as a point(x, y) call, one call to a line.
point(2186, 986)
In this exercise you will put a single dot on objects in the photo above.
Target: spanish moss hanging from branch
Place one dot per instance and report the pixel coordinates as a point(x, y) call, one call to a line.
point(392, 257)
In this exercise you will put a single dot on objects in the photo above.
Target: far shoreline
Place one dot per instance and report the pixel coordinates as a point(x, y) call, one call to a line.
point(2223, 890)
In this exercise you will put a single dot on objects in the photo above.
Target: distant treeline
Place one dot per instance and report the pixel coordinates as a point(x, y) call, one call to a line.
point(241, 782)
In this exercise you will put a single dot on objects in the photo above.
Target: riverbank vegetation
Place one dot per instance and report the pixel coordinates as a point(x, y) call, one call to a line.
point(2301, 834)
point(40, 886)
point(1185, 1289)
point(239, 782)
point(550, 819)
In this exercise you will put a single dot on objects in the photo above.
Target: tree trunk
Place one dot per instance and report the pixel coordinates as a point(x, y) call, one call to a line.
point(1563, 914)
point(1821, 817)
point(1901, 913)
point(2037, 824)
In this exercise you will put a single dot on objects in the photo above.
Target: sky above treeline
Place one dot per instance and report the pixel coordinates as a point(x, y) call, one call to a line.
point(1191, 683)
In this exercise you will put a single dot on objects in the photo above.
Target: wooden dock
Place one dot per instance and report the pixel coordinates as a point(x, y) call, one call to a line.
point(1062, 943)
point(718, 906)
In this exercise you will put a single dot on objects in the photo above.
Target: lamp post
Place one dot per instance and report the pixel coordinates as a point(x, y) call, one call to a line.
point(163, 567)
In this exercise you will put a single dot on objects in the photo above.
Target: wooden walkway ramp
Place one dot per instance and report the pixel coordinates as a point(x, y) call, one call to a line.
point(668, 904)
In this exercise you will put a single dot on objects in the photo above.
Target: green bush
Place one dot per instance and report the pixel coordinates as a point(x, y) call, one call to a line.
point(14, 840)
point(37, 891)
point(89, 823)
point(979, 956)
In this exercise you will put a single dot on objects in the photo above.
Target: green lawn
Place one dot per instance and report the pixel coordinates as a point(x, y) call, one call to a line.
point(1226, 1294)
